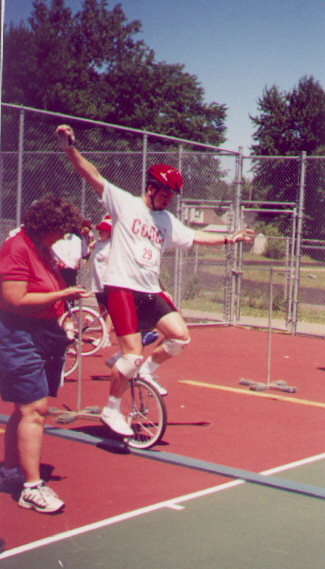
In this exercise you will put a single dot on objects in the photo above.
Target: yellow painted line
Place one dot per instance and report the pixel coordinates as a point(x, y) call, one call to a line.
point(253, 393)
point(2, 430)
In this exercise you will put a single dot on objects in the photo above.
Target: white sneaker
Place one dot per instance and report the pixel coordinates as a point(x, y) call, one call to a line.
point(115, 421)
point(41, 498)
point(106, 344)
point(69, 330)
point(152, 380)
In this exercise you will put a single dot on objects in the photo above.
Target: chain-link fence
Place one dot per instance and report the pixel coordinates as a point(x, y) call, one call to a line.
point(280, 197)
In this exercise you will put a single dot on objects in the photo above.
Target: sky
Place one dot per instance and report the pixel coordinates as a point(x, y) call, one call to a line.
point(235, 48)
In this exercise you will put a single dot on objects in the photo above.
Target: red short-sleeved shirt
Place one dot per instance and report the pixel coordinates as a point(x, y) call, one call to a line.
point(20, 260)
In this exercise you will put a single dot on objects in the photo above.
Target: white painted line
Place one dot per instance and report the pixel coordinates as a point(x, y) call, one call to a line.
point(175, 507)
point(302, 462)
point(152, 508)
point(116, 519)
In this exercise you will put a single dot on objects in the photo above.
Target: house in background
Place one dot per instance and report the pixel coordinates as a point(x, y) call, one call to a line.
point(205, 219)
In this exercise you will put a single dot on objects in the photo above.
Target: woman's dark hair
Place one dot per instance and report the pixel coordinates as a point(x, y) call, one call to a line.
point(51, 214)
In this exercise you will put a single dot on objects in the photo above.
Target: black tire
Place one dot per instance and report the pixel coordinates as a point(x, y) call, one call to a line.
point(145, 411)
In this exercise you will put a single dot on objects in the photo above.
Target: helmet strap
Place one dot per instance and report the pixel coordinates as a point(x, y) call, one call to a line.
point(153, 196)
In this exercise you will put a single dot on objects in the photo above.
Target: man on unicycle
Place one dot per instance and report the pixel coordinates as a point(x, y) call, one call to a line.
point(142, 230)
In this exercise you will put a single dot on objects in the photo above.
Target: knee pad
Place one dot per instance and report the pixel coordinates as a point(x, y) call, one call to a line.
point(175, 347)
point(129, 364)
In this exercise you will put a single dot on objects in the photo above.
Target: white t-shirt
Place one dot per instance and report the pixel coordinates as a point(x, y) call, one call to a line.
point(139, 237)
point(101, 253)
point(68, 250)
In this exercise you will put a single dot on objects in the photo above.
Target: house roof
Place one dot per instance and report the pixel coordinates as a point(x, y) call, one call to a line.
point(214, 228)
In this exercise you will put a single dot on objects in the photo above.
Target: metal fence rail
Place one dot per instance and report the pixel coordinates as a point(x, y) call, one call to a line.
point(223, 192)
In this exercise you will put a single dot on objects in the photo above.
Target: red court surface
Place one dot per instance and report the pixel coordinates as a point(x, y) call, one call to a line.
point(210, 418)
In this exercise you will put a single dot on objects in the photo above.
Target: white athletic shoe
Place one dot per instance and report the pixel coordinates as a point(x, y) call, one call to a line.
point(41, 498)
point(106, 344)
point(115, 421)
point(153, 380)
point(69, 330)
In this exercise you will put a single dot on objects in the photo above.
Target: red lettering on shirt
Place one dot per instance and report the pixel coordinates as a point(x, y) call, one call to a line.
point(153, 234)
point(136, 226)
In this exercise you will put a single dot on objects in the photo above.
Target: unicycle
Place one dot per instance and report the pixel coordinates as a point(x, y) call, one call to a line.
point(145, 411)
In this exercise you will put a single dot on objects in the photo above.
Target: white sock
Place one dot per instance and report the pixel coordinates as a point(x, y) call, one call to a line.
point(32, 484)
point(149, 366)
point(114, 402)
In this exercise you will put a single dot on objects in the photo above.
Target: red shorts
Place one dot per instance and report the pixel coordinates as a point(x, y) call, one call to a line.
point(132, 311)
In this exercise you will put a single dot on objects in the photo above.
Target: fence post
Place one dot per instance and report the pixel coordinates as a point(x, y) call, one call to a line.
point(291, 268)
point(1, 190)
point(144, 163)
point(178, 268)
point(240, 269)
point(298, 242)
point(2, 27)
point(83, 197)
point(20, 164)
point(237, 200)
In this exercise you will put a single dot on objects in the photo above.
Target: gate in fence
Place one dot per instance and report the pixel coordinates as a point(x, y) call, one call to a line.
point(223, 191)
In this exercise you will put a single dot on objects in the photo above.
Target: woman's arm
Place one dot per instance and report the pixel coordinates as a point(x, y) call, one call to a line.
point(15, 297)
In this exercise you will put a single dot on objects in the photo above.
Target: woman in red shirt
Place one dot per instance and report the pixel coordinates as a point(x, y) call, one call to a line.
point(32, 344)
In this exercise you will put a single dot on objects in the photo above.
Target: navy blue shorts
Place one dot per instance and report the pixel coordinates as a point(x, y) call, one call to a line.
point(31, 358)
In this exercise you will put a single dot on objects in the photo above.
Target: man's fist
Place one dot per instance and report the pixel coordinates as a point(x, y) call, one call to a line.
point(65, 136)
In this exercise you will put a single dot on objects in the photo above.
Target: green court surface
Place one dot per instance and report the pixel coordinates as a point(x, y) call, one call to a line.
point(236, 526)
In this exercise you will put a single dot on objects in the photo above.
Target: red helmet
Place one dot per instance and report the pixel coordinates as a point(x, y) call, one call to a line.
point(105, 224)
point(167, 177)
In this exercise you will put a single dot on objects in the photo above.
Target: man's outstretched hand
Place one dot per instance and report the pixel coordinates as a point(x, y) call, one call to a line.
point(246, 235)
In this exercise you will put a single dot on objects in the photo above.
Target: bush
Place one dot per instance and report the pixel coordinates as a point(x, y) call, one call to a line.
point(275, 244)
point(192, 288)
point(275, 248)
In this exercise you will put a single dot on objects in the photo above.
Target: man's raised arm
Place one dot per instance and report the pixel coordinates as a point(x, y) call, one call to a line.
point(65, 137)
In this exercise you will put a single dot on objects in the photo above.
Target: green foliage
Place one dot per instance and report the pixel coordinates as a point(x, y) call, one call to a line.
point(275, 249)
point(258, 297)
point(268, 229)
point(288, 124)
point(192, 288)
point(275, 245)
point(92, 65)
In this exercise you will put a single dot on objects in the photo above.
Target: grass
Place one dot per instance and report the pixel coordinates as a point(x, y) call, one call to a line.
point(306, 313)
point(255, 286)
point(311, 276)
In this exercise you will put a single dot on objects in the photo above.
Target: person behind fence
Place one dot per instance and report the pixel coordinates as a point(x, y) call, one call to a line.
point(142, 230)
point(87, 237)
point(32, 344)
point(69, 252)
point(102, 248)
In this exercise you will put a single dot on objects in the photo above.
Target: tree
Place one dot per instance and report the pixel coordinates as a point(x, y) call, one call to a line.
point(91, 65)
point(291, 122)
point(288, 124)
